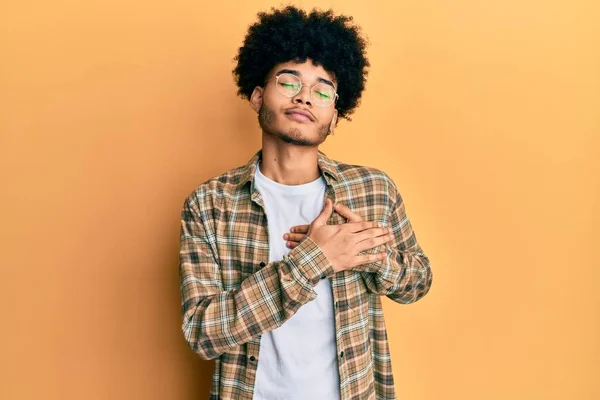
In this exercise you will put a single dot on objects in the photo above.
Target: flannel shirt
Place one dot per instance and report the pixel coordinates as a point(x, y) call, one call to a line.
point(230, 295)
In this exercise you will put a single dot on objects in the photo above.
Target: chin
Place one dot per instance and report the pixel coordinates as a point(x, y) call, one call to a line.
point(300, 138)
point(308, 134)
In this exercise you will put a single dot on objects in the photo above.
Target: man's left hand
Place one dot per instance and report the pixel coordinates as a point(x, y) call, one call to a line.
point(352, 216)
point(298, 233)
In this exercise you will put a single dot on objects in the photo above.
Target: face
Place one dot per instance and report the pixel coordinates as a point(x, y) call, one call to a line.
point(300, 119)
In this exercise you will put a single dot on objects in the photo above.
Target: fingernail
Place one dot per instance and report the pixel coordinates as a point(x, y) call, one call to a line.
point(285, 236)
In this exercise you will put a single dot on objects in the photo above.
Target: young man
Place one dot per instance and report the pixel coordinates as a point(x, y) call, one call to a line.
point(284, 260)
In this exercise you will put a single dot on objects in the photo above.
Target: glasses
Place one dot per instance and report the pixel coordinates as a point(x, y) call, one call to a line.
point(321, 94)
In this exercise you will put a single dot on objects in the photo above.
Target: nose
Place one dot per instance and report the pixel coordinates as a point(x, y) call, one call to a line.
point(303, 96)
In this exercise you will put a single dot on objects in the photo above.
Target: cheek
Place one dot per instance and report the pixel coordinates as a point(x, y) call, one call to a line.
point(324, 117)
point(275, 101)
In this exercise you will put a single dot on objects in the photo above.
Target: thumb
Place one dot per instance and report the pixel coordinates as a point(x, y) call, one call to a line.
point(325, 213)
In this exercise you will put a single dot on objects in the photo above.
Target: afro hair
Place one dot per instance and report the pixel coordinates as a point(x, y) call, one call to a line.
point(290, 34)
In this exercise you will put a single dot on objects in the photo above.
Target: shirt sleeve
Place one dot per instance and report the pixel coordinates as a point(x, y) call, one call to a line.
point(216, 320)
point(405, 275)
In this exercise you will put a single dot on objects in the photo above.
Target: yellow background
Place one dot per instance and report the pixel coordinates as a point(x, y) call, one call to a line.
point(485, 113)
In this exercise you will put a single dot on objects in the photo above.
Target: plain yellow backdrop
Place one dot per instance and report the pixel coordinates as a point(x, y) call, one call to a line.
point(485, 113)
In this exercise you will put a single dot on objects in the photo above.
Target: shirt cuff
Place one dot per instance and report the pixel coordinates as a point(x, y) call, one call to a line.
point(308, 262)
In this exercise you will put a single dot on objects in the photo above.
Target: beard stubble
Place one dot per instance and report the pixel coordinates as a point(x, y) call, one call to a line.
point(266, 116)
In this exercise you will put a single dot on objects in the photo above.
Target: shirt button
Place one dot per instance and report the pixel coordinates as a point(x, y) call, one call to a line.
point(262, 264)
point(252, 358)
point(323, 276)
point(342, 354)
point(336, 304)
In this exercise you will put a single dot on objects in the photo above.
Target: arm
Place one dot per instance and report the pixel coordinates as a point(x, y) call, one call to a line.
point(215, 320)
point(405, 275)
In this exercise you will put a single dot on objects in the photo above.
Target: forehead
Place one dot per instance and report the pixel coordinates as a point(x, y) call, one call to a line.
point(307, 71)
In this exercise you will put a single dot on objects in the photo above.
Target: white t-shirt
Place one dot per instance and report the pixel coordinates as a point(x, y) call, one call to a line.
point(298, 360)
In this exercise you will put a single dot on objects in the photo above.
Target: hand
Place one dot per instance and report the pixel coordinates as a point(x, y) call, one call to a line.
point(342, 243)
point(296, 235)
point(352, 216)
point(347, 213)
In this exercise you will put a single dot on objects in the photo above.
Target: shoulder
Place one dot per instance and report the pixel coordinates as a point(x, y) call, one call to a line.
point(368, 177)
point(217, 188)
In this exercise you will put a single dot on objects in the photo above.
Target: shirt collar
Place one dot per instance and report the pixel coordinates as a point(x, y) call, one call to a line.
point(327, 166)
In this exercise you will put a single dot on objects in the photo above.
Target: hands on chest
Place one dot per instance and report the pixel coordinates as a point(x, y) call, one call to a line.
point(342, 243)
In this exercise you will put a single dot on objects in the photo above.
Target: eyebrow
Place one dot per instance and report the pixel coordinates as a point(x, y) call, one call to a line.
point(294, 72)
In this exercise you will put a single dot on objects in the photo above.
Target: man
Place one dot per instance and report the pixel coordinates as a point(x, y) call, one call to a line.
point(284, 260)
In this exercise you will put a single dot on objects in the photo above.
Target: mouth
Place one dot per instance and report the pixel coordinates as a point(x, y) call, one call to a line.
point(298, 115)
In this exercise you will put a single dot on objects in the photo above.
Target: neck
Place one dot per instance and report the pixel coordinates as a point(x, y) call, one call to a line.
point(289, 164)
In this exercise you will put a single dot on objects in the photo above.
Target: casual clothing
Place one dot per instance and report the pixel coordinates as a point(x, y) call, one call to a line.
point(298, 360)
point(233, 293)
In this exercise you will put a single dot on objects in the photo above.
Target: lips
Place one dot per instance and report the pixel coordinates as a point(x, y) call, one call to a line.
point(299, 115)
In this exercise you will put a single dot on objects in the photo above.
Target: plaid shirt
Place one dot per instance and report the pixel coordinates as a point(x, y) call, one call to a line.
point(231, 295)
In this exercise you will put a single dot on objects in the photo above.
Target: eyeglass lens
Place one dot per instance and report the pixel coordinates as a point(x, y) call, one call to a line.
point(290, 85)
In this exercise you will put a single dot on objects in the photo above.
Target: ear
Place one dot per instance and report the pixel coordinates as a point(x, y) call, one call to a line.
point(333, 122)
point(256, 98)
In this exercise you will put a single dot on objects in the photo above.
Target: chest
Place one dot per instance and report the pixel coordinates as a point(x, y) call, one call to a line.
point(247, 227)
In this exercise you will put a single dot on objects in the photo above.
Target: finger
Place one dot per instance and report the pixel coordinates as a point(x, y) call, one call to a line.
point(370, 233)
point(347, 213)
point(300, 228)
point(325, 213)
point(354, 227)
point(294, 237)
point(366, 259)
point(372, 243)
point(292, 244)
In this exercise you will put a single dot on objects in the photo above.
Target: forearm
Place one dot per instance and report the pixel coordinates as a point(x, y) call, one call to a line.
point(215, 321)
point(404, 276)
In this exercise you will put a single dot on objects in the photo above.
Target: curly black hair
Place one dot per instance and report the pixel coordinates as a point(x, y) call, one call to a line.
point(290, 34)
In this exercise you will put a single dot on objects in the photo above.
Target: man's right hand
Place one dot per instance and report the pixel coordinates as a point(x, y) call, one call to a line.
point(342, 243)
